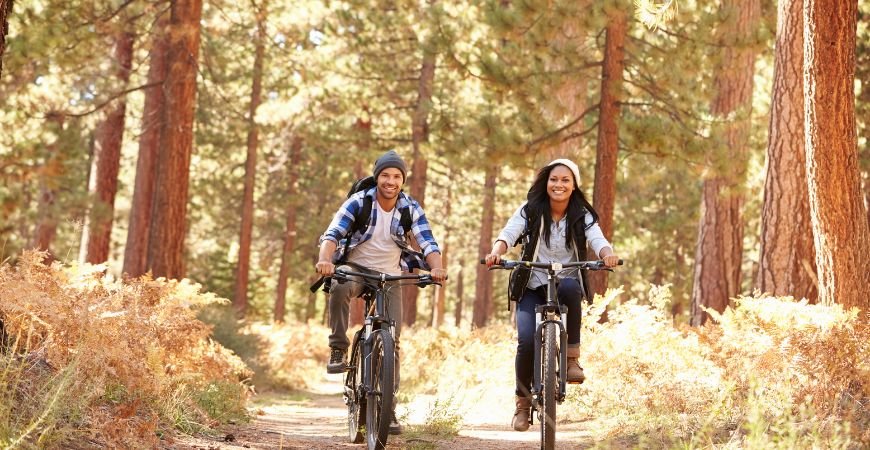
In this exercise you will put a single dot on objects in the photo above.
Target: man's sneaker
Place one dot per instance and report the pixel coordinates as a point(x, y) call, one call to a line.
point(395, 426)
point(337, 362)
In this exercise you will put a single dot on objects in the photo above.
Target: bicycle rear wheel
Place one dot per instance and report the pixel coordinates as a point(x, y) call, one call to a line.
point(379, 404)
point(548, 390)
point(356, 403)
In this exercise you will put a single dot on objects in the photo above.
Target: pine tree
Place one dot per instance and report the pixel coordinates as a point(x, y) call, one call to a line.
point(169, 219)
point(109, 137)
point(842, 237)
point(719, 250)
point(787, 259)
point(240, 299)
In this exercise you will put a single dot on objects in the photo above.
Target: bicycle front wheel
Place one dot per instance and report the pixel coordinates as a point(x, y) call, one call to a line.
point(356, 403)
point(548, 390)
point(379, 404)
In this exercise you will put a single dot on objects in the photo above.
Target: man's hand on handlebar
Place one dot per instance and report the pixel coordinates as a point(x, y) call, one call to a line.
point(439, 275)
point(325, 268)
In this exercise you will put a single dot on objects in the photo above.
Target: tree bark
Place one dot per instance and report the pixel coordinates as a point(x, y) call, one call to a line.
point(139, 228)
point(290, 233)
point(169, 221)
point(604, 194)
point(787, 258)
point(417, 179)
point(460, 294)
point(49, 175)
point(240, 298)
point(839, 218)
point(110, 137)
point(5, 12)
point(719, 250)
point(441, 293)
point(483, 304)
point(363, 128)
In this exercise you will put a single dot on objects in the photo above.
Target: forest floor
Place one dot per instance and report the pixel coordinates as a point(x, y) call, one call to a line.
point(316, 419)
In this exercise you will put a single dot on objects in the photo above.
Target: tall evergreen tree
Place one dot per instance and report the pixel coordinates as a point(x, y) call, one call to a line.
point(139, 225)
point(109, 137)
point(787, 259)
point(5, 11)
point(240, 298)
point(169, 218)
point(604, 194)
point(719, 249)
point(290, 227)
point(483, 297)
point(419, 136)
point(839, 217)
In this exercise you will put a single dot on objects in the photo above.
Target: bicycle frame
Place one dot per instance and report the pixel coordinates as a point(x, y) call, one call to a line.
point(551, 312)
point(377, 330)
point(543, 394)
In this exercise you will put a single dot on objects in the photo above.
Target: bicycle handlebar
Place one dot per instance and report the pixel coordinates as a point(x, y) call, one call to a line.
point(508, 264)
point(423, 280)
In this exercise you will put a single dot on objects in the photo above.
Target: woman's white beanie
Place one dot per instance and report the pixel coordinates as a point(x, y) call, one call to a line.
point(569, 164)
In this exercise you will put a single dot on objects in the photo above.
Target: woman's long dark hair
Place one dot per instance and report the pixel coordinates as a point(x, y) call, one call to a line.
point(538, 205)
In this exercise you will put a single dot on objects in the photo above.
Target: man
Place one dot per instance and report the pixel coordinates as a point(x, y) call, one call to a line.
point(382, 246)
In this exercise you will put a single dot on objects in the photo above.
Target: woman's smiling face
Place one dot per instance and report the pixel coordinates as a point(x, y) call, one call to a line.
point(560, 184)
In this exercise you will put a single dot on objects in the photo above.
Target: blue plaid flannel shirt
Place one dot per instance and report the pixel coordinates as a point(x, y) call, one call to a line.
point(411, 259)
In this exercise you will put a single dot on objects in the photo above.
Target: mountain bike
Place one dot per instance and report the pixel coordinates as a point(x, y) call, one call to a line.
point(551, 344)
point(369, 381)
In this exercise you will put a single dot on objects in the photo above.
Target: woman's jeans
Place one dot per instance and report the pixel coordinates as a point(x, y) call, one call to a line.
point(568, 294)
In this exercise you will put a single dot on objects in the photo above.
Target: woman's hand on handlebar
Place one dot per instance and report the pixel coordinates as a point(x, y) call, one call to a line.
point(611, 260)
point(324, 267)
point(491, 259)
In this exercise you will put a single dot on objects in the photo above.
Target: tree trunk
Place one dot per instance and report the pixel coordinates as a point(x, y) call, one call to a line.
point(839, 218)
point(460, 293)
point(290, 233)
point(110, 137)
point(483, 307)
point(364, 129)
point(417, 181)
point(5, 12)
point(240, 298)
point(604, 194)
point(441, 293)
point(169, 221)
point(719, 249)
point(49, 186)
point(139, 228)
point(787, 258)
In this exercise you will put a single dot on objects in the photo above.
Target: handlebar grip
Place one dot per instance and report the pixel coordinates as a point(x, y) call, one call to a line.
point(483, 260)
point(317, 284)
point(620, 262)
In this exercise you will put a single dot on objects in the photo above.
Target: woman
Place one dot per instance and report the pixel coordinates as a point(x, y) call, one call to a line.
point(556, 223)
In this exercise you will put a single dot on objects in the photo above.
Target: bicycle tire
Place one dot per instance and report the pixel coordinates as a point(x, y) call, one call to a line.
point(356, 403)
point(379, 404)
point(548, 390)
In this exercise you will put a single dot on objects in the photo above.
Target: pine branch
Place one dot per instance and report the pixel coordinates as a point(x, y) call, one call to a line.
point(117, 95)
point(557, 131)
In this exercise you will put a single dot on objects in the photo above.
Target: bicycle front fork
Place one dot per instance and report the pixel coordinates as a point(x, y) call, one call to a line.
point(540, 321)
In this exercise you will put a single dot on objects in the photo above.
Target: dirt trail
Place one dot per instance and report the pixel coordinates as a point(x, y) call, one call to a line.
point(317, 420)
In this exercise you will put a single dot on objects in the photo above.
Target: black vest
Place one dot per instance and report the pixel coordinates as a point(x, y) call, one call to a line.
point(519, 278)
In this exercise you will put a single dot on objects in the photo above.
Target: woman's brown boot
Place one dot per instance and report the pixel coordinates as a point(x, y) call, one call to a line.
point(521, 415)
point(575, 372)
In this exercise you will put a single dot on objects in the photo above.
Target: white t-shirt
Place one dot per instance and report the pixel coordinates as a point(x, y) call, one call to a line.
point(380, 252)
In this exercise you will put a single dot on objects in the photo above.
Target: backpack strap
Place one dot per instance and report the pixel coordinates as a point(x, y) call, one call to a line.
point(360, 223)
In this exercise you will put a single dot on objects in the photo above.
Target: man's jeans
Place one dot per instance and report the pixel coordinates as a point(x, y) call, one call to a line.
point(569, 294)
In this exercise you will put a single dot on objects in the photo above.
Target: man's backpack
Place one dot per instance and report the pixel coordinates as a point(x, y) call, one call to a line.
point(361, 221)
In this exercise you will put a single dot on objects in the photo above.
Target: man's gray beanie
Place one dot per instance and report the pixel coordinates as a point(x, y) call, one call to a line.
point(390, 159)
